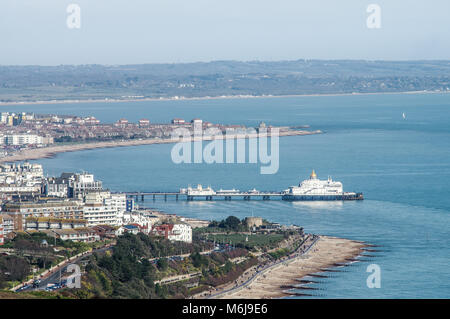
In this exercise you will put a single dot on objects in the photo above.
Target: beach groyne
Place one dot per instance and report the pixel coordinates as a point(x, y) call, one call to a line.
point(275, 282)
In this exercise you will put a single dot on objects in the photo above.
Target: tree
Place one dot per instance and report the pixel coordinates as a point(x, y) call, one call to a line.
point(231, 222)
point(17, 268)
point(162, 264)
point(199, 260)
point(228, 266)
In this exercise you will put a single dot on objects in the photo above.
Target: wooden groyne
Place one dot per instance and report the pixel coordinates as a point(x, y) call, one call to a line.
point(318, 276)
point(303, 281)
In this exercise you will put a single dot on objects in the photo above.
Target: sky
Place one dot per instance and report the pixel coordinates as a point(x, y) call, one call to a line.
point(35, 32)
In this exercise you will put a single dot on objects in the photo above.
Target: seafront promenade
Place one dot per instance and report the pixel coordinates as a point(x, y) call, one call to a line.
point(317, 255)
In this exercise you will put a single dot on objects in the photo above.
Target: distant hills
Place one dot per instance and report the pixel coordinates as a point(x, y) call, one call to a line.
point(220, 78)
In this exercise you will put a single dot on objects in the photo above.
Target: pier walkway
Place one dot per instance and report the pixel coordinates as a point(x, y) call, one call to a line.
point(206, 197)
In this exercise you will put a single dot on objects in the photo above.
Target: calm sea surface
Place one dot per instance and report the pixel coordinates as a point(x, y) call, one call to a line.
point(401, 166)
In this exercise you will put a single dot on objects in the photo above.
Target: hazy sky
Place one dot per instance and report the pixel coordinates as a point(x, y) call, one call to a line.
point(149, 31)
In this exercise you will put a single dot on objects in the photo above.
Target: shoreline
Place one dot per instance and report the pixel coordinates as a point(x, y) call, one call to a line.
point(200, 98)
point(327, 252)
point(52, 151)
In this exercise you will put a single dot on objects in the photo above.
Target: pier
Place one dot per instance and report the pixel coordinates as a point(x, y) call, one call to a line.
point(308, 190)
point(140, 196)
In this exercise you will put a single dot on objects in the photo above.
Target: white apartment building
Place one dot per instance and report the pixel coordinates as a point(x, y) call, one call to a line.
point(4, 117)
point(7, 224)
point(87, 235)
point(20, 189)
point(22, 139)
point(21, 178)
point(174, 231)
point(143, 219)
point(181, 232)
point(21, 174)
point(104, 208)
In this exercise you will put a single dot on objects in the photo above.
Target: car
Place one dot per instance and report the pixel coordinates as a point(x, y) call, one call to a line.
point(23, 288)
point(51, 287)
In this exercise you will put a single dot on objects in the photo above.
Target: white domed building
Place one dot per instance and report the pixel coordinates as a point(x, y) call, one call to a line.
point(316, 189)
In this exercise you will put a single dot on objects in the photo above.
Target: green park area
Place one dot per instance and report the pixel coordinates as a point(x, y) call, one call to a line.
point(249, 241)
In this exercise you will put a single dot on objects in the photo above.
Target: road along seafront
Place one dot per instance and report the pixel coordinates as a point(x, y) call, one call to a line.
point(51, 151)
point(317, 255)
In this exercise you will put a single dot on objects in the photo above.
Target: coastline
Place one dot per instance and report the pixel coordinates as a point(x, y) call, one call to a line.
point(275, 282)
point(222, 97)
point(51, 151)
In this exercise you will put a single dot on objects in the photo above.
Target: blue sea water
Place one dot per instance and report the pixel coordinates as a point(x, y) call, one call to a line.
point(401, 165)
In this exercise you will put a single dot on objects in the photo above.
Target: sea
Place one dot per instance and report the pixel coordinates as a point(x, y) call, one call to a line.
point(395, 148)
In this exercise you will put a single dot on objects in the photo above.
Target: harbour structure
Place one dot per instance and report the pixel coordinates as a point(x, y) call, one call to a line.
point(198, 191)
point(316, 189)
point(308, 190)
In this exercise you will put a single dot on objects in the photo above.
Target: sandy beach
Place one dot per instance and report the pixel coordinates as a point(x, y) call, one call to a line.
point(274, 282)
point(51, 151)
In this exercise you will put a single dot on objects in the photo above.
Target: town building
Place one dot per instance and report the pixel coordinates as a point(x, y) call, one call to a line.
point(21, 179)
point(143, 218)
point(254, 222)
point(3, 117)
point(104, 208)
point(7, 224)
point(90, 120)
point(56, 187)
point(11, 119)
point(20, 211)
point(105, 231)
point(144, 123)
point(178, 121)
point(21, 139)
point(20, 189)
point(82, 184)
point(197, 123)
point(1, 231)
point(130, 205)
point(43, 223)
point(122, 123)
point(132, 229)
point(72, 185)
point(87, 235)
point(174, 232)
point(21, 174)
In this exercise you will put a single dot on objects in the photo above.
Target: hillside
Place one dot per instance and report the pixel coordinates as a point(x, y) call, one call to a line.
point(219, 78)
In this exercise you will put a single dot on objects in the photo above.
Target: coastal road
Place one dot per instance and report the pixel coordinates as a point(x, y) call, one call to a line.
point(170, 280)
point(54, 277)
point(262, 271)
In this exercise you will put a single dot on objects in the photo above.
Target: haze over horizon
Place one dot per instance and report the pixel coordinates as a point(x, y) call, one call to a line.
point(219, 61)
point(174, 31)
